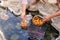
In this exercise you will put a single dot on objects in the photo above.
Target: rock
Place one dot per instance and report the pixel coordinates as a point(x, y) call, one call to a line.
point(13, 5)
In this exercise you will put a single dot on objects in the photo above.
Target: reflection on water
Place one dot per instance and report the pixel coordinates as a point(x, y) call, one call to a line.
point(11, 28)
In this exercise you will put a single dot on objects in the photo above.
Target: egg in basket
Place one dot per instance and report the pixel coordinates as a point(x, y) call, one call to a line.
point(37, 20)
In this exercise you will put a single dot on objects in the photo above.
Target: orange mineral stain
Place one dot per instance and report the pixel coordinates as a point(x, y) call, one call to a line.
point(24, 25)
point(37, 21)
